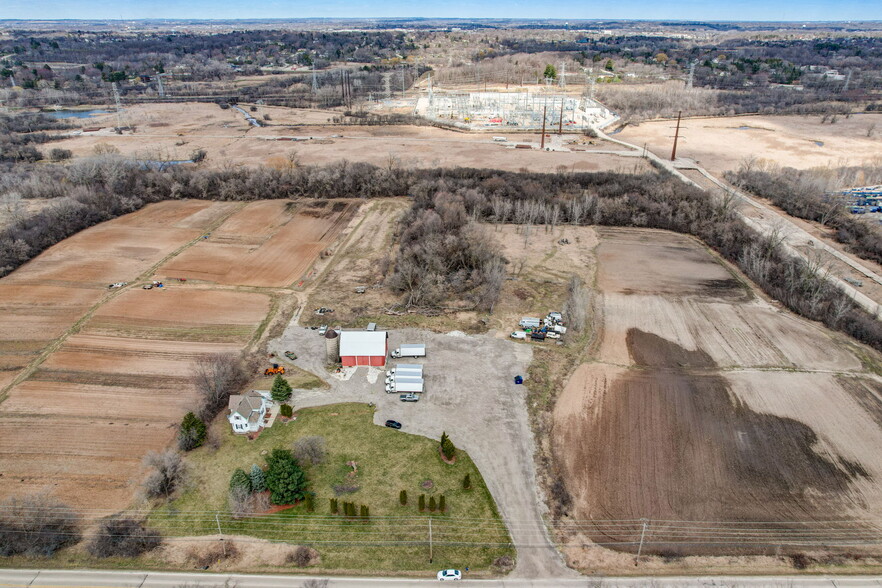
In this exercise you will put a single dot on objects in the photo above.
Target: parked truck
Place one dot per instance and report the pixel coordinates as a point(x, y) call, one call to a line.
point(417, 350)
point(405, 368)
point(405, 387)
point(403, 378)
point(529, 322)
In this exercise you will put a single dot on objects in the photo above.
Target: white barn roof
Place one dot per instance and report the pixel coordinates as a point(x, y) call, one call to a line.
point(371, 343)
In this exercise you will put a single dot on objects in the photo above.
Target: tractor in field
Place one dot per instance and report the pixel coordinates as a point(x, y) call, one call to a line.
point(275, 370)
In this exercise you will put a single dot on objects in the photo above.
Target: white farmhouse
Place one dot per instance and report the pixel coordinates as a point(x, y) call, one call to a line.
point(247, 411)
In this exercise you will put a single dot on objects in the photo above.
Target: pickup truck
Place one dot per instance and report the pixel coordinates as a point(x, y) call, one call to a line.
point(409, 398)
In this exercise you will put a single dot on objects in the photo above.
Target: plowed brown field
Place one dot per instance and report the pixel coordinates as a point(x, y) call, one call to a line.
point(265, 244)
point(79, 425)
point(706, 403)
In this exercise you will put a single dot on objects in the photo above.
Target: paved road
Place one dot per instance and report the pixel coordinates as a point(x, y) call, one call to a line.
point(494, 430)
point(117, 579)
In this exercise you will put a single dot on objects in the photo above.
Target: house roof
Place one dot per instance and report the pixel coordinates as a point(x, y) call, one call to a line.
point(246, 404)
point(370, 343)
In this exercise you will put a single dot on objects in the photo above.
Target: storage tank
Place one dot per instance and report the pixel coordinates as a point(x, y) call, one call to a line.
point(332, 346)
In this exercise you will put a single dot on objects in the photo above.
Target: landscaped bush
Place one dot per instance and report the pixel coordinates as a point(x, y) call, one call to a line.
point(286, 411)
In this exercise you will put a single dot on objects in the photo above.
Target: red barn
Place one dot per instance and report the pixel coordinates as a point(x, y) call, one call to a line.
point(364, 348)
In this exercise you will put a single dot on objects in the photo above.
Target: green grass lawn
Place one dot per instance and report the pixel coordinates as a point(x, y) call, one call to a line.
point(470, 533)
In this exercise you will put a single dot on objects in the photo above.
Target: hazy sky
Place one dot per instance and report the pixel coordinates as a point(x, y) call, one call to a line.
point(791, 10)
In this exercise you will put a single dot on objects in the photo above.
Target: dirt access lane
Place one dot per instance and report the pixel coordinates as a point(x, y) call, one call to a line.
point(470, 393)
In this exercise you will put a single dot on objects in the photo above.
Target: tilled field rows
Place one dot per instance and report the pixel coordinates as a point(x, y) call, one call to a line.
point(707, 403)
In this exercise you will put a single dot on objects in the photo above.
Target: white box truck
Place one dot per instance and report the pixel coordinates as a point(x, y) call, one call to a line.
point(403, 378)
point(529, 322)
point(404, 387)
point(410, 351)
point(405, 368)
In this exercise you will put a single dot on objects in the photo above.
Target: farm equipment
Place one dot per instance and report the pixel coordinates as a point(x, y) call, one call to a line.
point(275, 370)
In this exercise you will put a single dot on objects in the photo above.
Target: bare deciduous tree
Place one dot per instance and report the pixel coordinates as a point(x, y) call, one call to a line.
point(576, 307)
point(123, 535)
point(168, 473)
point(36, 525)
point(216, 377)
point(310, 450)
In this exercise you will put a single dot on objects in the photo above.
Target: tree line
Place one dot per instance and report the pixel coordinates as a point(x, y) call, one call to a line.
point(440, 250)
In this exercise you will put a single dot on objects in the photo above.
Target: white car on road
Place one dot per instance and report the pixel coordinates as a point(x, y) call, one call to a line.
point(449, 575)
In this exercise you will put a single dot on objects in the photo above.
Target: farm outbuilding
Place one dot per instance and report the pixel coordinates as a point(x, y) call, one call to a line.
point(363, 348)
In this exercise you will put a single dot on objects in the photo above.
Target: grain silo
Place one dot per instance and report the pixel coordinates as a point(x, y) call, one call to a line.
point(332, 346)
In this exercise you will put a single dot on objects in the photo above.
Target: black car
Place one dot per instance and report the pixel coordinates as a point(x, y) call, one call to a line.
point(393, 424)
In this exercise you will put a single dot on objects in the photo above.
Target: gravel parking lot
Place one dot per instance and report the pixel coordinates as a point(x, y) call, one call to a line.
point(471, 394)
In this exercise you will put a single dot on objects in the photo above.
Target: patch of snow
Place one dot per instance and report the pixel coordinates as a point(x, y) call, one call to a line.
point(459, 334)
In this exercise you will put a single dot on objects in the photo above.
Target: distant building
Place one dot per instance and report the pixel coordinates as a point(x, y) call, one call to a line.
point(363, 348)
point(247, 411)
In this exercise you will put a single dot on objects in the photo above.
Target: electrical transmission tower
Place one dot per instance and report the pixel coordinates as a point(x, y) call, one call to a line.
point(118, 105)
point(691, 77)
point(562, 79)
point(314, 80)
point(847, 82)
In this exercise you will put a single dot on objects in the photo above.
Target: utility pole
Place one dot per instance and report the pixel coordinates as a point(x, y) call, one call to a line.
point(640, 549)
point(221, 533)
point(542, 143)
point(430, 540)
point(676, 136)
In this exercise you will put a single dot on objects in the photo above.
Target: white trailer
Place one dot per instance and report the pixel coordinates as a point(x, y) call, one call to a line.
point(405, 387)
point(403, 378)
point(410, 351)
point(405, 368)
point(529, 322)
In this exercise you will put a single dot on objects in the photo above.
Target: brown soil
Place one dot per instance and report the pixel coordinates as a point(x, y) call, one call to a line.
point(277, 252)
point(721, 144)
point(229, 140)
point(656, 429)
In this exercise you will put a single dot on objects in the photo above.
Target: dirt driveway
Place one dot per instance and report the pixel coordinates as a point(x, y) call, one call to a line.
point(470, 394)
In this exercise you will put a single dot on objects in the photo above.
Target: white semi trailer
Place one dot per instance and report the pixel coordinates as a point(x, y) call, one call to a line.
point(410, 351)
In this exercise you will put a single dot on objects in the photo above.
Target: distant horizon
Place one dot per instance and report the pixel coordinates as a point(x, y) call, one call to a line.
point(747, 11)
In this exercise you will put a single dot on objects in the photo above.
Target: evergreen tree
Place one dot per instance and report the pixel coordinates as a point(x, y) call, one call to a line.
point(284, 478)
point(258, 479)
point(402, 497)
point(286, 411)
point(192, 432)
point(240, 481)
point(422, 502)
point(550, 72)
point(281, 390)
point(442, 504)
point(467, 482)
point(432, 505)
point(447, 447)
